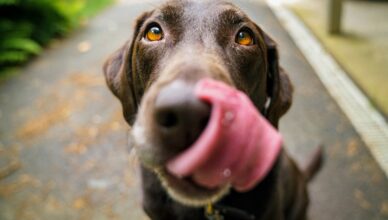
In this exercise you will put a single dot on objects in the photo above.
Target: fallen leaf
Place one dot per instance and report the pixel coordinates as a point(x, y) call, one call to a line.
point(79, 203)
point(76, 148)
point(44, 121)
point(384, 208)
point(84, 46)
point(10, 168)
point(361, 200)
point(352, 148)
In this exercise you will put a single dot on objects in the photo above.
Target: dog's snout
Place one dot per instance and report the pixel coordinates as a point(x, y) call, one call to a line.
point(179, 116)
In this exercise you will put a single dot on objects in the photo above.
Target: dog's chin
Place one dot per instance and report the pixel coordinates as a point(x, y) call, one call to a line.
point(187, 192)
point(182, 190)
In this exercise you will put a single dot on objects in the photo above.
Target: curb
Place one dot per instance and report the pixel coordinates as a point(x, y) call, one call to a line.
point(367, 121)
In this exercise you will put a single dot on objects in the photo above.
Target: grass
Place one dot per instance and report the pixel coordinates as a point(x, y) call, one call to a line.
point(93, 7)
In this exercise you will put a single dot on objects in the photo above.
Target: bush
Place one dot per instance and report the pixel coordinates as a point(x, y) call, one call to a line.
point(27, 25)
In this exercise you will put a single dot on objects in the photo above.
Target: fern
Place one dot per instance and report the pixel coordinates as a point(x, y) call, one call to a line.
point(13, 57)
point(7, 2)
point(21, 44)
point(27, 25)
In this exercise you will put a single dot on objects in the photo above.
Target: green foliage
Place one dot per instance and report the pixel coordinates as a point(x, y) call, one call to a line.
point(27, 25)
point(7, 2)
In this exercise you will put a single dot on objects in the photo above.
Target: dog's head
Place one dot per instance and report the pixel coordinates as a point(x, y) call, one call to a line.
point(173, 47)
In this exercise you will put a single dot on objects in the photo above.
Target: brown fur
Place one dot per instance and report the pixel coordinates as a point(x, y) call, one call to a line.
point(199, 42)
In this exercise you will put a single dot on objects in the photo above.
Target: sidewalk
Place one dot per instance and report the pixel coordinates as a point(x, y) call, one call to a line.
point(64, 142)
point(361, 49)
point(62, 131)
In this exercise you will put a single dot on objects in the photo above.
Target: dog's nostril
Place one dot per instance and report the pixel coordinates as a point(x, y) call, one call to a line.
point(179, 116)
point(167, 119)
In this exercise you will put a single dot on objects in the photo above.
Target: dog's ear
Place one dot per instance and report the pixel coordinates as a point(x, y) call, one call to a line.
point(118, 73)
point(279, 87)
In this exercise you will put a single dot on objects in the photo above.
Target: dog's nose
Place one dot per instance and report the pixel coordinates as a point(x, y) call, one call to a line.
point(180, 117)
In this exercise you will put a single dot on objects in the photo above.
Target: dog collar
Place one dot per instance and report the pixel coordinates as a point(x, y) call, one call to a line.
point(220, 212)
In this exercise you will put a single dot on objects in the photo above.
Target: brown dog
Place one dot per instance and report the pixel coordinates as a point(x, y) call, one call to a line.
point(154, 74)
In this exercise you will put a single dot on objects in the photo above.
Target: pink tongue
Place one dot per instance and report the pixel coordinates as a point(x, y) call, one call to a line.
point(238, 146)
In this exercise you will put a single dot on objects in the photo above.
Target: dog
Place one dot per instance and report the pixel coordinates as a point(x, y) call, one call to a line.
point(173, 47)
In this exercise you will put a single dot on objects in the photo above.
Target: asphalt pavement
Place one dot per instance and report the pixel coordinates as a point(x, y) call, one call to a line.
point(63, 141)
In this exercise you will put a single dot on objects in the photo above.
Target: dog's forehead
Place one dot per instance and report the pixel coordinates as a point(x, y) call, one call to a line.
point(201, 12)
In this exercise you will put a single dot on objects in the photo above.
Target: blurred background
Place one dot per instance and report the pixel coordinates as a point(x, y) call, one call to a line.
point(356, 34)
point(64, 152)
point(28, 26)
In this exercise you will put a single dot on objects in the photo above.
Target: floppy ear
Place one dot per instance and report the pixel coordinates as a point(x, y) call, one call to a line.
point(279, 87)
point(118, 73)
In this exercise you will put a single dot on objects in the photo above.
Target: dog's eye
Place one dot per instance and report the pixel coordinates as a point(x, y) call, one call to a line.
point(154, 33)
point(244, 38)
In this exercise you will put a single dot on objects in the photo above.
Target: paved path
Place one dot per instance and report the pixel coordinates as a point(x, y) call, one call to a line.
point(62, 133)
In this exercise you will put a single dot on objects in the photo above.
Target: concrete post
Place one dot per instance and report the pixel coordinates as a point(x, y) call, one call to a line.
point(334, 16)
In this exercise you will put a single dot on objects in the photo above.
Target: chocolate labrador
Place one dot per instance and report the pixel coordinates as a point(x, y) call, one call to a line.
point(154, 74)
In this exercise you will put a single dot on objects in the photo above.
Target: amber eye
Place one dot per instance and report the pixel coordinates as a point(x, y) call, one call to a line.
point(154, 33)
point(244, 38)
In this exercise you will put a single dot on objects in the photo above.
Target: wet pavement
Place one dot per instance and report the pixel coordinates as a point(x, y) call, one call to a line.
point(63, 142)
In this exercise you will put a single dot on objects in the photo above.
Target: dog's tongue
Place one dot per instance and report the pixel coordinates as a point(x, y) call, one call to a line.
point(238, 146)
